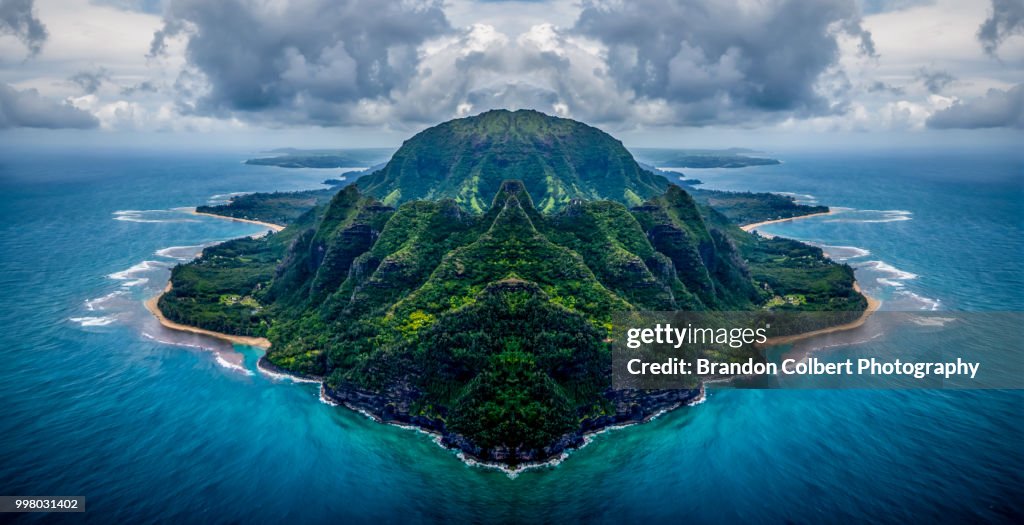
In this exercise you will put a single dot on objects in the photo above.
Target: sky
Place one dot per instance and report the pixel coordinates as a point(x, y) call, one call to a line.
point(354, 73)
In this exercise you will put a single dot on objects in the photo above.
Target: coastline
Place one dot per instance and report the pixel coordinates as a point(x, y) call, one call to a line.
point(364, 404)
point(753, 226)
point(272, 226)
point(153, 307)
point(873, 305)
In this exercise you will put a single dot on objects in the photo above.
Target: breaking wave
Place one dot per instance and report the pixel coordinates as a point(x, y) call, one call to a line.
point(874, 216)
point(151, 216)
point(93, 321)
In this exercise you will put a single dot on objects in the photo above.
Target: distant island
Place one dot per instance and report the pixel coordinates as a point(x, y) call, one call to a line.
point(298, 158)
point(467, 287)
point(702, 158)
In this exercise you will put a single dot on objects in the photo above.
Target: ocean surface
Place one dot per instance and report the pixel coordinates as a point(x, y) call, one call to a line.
point(153, 426)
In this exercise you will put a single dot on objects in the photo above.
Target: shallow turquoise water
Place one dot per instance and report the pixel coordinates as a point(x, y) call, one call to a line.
point(151, 425)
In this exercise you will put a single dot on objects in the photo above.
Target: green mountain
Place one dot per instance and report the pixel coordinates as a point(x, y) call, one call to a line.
point(487, 321)
point(556, 159)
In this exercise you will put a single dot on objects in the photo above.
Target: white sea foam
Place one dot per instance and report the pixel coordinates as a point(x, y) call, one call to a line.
point(932, 321)
point(875, 216)
point(131, 274)
point(326, 400)
point(149, 216)
point(844, 253)
point(181, 253)
point(281, 376)
point(888, 269)
point(93, 321)
point(232, 366)
point(927, 303)
point(97, 304)
point(174, 343)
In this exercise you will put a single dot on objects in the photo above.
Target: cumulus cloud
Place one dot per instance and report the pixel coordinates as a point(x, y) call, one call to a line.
point(320, 62)
point(726, 61)
point(18, 19)
point(1006, 20)
point(996, 109)
point(400, 62)
point(28, 109)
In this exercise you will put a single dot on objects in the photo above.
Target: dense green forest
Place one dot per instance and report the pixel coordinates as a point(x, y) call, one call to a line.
point(275, 208)
point(488, 321)
point(748, 208)
point(557, 159)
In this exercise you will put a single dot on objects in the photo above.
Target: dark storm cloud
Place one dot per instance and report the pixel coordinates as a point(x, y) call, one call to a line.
point(724, 60)
point(90, 81)
point(297, 62)
point(935, 81)
point(997, 109)
point(27, 109)
point(1006, 20)
point(17, 18)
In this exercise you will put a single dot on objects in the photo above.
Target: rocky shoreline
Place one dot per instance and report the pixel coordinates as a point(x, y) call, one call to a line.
point(392, 407)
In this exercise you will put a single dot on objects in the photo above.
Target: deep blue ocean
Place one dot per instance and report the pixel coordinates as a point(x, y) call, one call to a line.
point(154, 426)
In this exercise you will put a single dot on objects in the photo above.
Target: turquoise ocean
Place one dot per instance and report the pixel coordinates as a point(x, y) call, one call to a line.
point(151, 425)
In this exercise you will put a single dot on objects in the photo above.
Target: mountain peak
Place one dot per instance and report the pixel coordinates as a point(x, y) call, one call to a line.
point(556, 159)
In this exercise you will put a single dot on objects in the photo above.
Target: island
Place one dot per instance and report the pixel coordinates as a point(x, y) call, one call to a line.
point(703, 158)
point(323, 159)
point(467, 288)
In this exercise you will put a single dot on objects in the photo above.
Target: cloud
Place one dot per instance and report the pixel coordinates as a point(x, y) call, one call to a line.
point(17, 19)
point(26, 108)
point(320, 62)
point(1006, 20)
point(725, 60)
point(934, 81)
point(881, 87)
point(90, 81)
point(401, 63)
point(146, 86)
point(996, 109)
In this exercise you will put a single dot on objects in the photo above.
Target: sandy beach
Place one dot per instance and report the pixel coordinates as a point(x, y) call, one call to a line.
point(151, 305)
point(272, 226)
point(873, 305)
point(756, 225)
